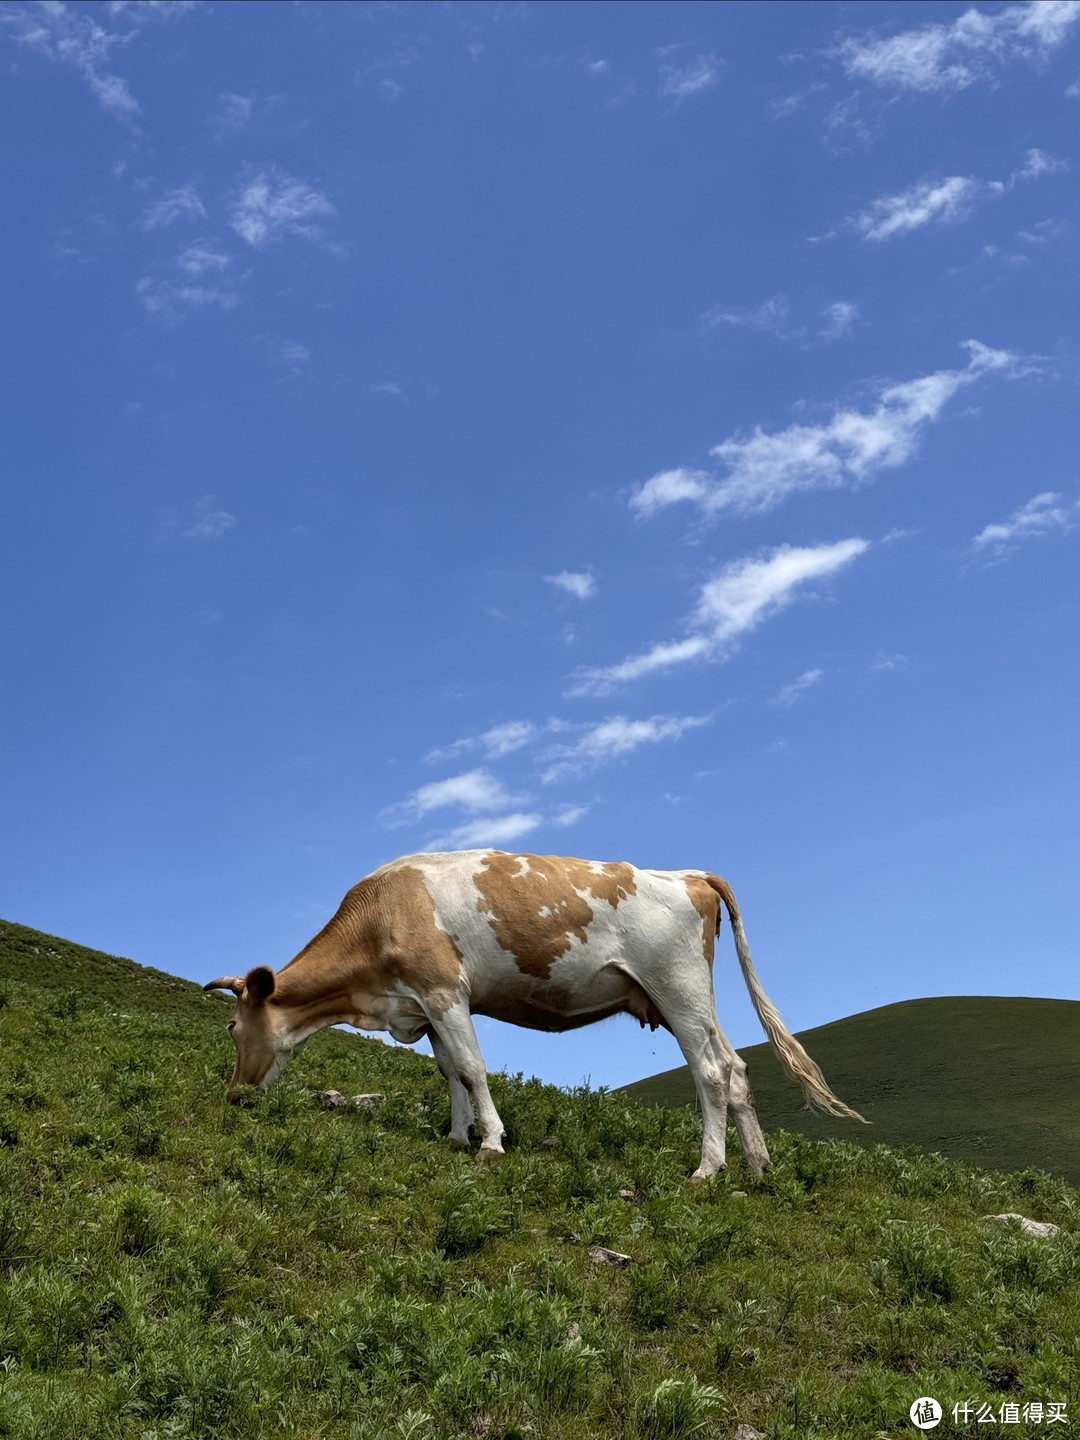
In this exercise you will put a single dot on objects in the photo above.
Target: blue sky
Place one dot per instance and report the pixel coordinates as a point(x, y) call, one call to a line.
point(635, 431)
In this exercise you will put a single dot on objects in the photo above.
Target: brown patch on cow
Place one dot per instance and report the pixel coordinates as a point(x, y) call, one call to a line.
point(384, 931)
point(411, 946)
point(536, 914)
point(707, 904)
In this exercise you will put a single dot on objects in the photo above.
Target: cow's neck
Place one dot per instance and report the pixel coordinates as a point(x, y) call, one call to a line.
point(324, 984)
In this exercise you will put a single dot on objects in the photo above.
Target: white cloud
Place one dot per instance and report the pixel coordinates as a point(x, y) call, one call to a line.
point(500, 740)
point(682, 76)
point(233, 113)
point(938, 57)
point(615, 737)
point(797, 687)
point(1042, 515)
point(568, 815)
point(489, 831)
point(70, 35)
point(736, 601)
point(1038, 162)
point(207, 521)
point(289, 355)
point(473, 790)
point(763, 468)
point(388, 89)
point(668, 487)
point(271, 204)
point(181, 203)
point(202, 257)
point(943, 202)
point(770, 315)
point(840, 318)
point(504, 739)
point(581, 583)
point(73, 37)
point(167, 300)
point(928, 202)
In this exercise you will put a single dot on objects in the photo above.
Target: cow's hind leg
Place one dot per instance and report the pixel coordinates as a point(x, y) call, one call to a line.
point(454, 1029)
point(755, 1151)
point(461, 1110)
point(687, 1011)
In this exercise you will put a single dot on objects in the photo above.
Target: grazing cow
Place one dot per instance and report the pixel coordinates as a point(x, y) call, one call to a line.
point(426, 942)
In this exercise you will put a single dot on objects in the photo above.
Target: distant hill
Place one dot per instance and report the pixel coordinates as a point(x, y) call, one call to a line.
point(172, 1266)
point(992, 1081)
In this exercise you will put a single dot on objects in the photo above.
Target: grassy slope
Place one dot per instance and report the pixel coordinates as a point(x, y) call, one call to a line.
point(172, 1267)
point(987, 1080)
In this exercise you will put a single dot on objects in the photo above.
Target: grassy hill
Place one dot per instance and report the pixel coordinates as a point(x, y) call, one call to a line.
point(172, 1267)
point(987, 1080)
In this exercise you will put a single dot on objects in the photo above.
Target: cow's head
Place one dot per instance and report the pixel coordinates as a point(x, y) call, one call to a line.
point(259, 1029)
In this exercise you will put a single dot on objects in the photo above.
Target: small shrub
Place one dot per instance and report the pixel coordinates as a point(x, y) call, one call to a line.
point(678, 1409)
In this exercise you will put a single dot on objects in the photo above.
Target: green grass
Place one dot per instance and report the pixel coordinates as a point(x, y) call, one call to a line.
point(983, 1079)
point(173, 1267)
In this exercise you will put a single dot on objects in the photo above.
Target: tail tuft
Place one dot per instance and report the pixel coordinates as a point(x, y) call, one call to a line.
point(797, 1063)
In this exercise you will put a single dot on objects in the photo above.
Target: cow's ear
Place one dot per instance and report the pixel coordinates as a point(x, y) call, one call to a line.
point(227, 982)
point(259, 983)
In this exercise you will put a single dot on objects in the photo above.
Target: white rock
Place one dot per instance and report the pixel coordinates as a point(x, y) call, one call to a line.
point(365, 1102)
point(328, 1099)
point(602, 1256)
point(1042, 1228)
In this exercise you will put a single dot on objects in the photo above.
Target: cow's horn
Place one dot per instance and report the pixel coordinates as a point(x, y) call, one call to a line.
point(227, 982)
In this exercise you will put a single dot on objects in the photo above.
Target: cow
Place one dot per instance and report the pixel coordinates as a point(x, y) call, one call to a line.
point(427, 941)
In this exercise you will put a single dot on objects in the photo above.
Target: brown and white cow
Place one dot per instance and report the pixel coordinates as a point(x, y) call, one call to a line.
point(426, 942)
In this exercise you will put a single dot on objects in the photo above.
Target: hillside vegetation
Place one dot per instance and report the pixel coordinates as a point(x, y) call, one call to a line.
point(173, 1267)
point(983, 1079)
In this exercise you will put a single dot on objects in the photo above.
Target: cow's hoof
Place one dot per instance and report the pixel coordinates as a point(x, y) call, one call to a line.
point(457, 1143)
point(700, 1176)
point(490, 1152)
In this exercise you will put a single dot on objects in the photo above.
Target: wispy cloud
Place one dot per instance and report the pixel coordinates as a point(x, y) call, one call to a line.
point(792, 691)
point(202, 257)
point(270, 205)
point(490, 830)
point(206, 519)
point(499, 740)
point(233, 114)
point(929, 202)
point(669, 487)
point(737, 600)
point(943, 202)
point(180, 203)
point(840, 319)
point(290, 356)
point(683, 74)
point(473, 790)
point(770, 315)
point(614, 738)
point(941, 58)
point(168, 300)
point(580, 583)
point(773, 317)
point(1042, 515)
point(849, 448)
point(72, 35)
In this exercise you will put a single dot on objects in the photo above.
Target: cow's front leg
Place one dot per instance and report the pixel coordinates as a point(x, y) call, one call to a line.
point(454, 1028)
point(461, 1110)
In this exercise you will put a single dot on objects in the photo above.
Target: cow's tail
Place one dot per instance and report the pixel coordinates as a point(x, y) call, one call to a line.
point(805, 1072)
